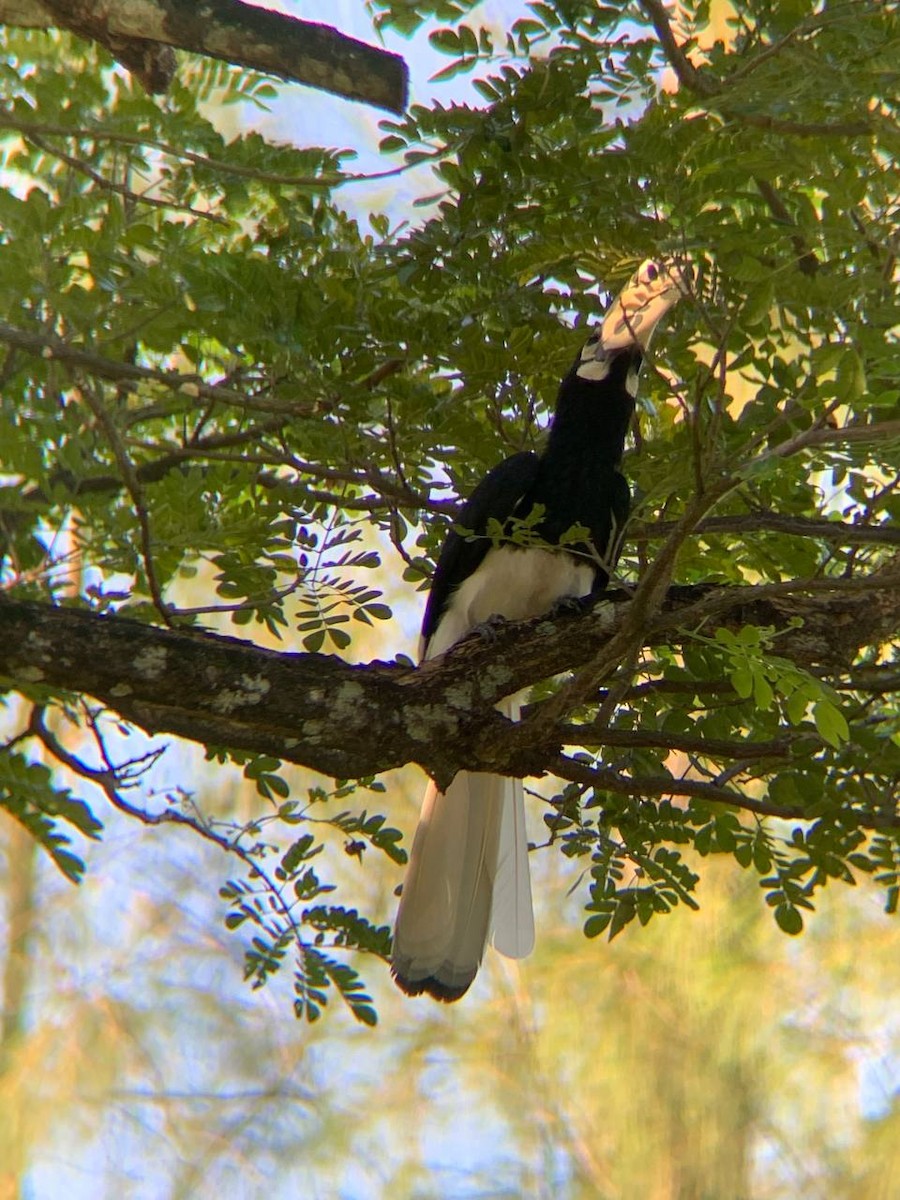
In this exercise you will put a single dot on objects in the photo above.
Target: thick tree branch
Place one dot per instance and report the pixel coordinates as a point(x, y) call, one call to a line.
point(142, 34)
point(349, 721)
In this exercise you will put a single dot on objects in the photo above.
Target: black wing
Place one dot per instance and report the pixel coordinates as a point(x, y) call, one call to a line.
point(496, 496)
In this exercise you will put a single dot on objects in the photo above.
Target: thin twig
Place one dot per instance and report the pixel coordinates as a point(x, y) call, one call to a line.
point(666, 785)
point(135, 491)
point(806, 259)
point(765, 521)
point(699, 81)
point(694, 80)
point(48, 346)
point(108, 779)
point(119, 189)
point(596, 732)
point(812, 129)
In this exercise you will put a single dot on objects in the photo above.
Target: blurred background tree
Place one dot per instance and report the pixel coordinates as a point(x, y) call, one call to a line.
point(243, 386)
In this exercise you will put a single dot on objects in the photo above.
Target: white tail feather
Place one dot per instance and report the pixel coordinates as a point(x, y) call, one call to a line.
point(512, 914)
point(467, 882)
point(445, 909)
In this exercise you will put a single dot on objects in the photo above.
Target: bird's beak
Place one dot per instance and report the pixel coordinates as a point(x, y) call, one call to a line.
point(645, 299)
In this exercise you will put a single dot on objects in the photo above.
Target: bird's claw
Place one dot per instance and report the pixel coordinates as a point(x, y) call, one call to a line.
point(488, 630)
point(570, 606)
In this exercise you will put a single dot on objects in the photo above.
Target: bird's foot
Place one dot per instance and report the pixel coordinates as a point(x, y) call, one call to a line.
point(488, 630)
point(570, 606)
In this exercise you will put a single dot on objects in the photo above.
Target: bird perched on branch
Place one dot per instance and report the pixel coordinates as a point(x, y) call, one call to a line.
point(468, 882)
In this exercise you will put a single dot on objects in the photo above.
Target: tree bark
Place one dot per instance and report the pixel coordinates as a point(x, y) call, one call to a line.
point(143, 34)
point(349, 721)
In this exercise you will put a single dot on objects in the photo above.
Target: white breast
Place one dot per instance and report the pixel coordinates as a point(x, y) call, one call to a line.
point(512, 582)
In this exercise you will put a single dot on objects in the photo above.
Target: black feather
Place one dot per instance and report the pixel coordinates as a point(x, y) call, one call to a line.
point(497, 496)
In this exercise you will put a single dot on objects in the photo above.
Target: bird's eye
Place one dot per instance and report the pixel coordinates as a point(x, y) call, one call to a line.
point(652, 271)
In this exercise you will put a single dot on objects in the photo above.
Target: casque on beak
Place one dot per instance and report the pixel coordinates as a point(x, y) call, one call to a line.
point(646, 298)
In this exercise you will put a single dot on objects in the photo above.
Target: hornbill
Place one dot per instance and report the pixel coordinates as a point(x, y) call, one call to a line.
point(467, 882)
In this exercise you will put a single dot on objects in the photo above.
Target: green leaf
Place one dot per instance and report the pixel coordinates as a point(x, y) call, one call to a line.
point(596, 925)
point(758, 304)
point(789, 919)
point(851, 376)
point(445, 41)
point(742, 680)
point(27, 793)
point(830, 723)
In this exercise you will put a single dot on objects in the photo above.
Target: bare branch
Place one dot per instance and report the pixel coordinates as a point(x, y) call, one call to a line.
point(108, 778)
point(142, 34)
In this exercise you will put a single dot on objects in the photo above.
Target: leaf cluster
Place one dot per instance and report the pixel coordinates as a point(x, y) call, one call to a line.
point(279, 907)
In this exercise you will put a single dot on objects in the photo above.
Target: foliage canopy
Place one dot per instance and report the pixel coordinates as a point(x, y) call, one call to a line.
point(213, 371)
